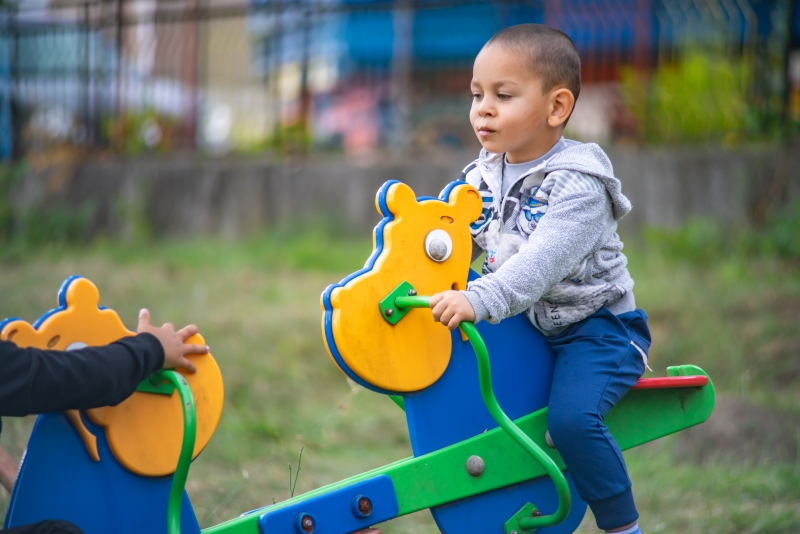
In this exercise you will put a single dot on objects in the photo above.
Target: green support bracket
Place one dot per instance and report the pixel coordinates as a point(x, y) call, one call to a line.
point(389, 310)
point(152, 384)
point(512, 526)
point(399, 401)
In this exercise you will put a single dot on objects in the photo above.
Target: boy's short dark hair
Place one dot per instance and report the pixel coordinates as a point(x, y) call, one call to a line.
point(551, 54)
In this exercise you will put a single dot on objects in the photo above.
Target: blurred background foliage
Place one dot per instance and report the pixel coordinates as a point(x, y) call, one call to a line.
point(356, 77)
point(706, 242)
point(700, 98)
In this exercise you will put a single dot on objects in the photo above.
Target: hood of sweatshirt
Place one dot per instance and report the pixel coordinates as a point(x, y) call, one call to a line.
point(587, 158)
point(590, 159)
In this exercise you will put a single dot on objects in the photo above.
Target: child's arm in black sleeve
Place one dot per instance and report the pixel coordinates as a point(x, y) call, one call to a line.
point(40, 381)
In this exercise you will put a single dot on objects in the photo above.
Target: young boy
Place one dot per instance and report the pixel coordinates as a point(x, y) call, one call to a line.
point(548, 227)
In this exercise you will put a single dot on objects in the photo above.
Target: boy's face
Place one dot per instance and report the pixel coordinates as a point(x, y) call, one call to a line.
point(509, 112)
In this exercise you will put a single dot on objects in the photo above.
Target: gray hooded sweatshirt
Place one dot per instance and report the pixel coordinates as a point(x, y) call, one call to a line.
point(551, 244)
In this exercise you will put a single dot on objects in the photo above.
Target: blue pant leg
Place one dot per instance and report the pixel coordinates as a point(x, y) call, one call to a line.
point(595, 366)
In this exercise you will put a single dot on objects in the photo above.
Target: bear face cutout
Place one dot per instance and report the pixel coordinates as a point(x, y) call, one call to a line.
point(425, 242)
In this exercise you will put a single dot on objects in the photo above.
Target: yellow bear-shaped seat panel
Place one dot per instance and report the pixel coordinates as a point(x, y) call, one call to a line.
point(425, 242)
point(145, 431)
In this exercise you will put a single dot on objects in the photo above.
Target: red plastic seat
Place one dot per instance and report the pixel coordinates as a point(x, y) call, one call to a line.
point(672, 382)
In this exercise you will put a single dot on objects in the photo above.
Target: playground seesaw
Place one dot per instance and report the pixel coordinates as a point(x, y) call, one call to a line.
point(476, 406)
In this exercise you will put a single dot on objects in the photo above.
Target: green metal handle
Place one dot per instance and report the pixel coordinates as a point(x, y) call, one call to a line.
point(187, 448)
point(487, 392)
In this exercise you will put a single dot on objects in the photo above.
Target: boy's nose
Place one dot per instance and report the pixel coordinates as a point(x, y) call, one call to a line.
point(486, 109)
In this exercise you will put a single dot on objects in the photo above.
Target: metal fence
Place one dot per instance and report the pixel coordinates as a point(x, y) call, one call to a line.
point(361, 75)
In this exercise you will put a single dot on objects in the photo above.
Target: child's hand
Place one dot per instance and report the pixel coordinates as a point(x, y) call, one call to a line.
point(175, 350)
point(450, 308)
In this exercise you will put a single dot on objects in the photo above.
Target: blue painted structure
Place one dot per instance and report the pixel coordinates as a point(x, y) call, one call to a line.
point(59, 479)
point(453, 33)
point(333, 512)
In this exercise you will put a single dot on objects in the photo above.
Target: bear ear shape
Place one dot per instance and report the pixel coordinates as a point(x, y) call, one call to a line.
point(20, 328)
point(466, 201)
point(82, 293)
point(400, 199)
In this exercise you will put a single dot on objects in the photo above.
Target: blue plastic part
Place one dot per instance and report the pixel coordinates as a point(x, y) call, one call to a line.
point(452, 410)
point(58, 480)
point(333, 511)
point(326, 295)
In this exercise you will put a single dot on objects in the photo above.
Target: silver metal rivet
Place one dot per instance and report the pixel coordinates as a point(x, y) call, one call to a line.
point(388, 312)
point(549, 440)
point(514, 532)
point(412, 292)
point(475, 466)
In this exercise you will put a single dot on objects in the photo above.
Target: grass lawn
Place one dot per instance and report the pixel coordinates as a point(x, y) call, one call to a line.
point(257, 304)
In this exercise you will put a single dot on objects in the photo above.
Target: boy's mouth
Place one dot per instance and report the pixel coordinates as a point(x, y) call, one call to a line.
point(483, 131)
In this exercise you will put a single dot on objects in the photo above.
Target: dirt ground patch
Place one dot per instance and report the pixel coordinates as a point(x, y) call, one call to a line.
point(743, 432)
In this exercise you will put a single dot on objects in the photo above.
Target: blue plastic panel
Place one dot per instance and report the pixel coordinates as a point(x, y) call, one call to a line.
point(333, 511)
point(58, 480)
point(452, 410)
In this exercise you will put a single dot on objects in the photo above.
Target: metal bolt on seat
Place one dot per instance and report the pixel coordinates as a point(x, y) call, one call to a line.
point(361, 506)
point(305, 523)
point(475, 466)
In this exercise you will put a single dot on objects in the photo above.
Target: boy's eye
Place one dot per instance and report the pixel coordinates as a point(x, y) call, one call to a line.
point(503, 96)
point(477, 96)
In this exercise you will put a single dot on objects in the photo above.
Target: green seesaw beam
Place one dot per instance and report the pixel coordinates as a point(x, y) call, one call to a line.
point(440, 477)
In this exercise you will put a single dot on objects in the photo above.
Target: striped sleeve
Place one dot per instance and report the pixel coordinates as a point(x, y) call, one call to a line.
point(565, 183)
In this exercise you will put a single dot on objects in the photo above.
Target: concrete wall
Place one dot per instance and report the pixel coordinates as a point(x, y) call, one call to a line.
point(184, 196)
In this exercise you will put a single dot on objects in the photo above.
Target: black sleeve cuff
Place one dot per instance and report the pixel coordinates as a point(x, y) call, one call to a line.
point(150, 348)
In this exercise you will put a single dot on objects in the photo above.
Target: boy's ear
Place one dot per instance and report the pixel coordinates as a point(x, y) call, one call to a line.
point(562, 102)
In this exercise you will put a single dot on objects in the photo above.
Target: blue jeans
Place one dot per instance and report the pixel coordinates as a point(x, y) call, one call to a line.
point(596, 364)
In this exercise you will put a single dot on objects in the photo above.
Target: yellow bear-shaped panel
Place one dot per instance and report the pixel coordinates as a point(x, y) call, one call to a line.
point(412, 354)
point(145, 431)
